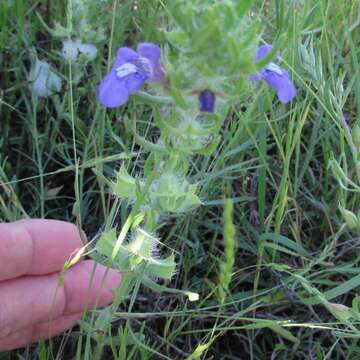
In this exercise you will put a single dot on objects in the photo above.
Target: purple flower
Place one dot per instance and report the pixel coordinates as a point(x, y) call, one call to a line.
point(130, 70)
point(207, 101)
point(275, 76)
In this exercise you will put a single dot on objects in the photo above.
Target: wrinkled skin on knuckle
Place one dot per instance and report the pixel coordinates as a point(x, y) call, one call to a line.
point(5, 327)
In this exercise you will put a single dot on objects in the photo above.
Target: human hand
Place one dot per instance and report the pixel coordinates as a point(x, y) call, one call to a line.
point(32, 303)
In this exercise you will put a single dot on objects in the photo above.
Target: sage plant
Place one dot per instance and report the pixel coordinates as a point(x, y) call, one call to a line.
point(190, 85)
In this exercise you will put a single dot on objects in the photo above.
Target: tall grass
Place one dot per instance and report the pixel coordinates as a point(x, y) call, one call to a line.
point(291, 256)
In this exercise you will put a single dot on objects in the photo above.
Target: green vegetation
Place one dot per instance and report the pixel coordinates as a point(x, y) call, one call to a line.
point(267, 267)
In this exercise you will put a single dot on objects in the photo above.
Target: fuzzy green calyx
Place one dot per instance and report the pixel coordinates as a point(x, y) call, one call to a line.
point(171, 192)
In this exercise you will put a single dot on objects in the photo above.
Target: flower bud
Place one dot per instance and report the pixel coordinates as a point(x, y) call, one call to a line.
point(207, 101)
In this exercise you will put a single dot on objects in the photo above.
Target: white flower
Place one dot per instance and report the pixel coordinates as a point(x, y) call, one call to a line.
point(43, 81)
point(72, 49)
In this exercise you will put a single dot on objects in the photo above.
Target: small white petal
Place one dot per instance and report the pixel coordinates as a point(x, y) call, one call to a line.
point(125, 70)
point(275, 68)
point(88, 50)
point(43, 81)
point(72, 49)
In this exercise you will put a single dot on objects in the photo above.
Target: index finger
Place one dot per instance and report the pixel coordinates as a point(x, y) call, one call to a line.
point(36, 247)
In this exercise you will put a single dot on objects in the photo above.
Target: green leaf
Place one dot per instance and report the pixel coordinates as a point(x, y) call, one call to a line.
point(190, 202)
point(199, 350)
point(234, 52)
point(274, 327)
point(103, 319)
point(148, 145)
point(163, 269)
point(349, 217)
point(279, 239)
point(286, 334)
point(125, 186)
point(341, 289)
point(107, 242)
point(161, 288)
point(355, 307)
point(152, 99)
point(337, 170)
point(138, 219)
point(179, 16)
point(210, 147)
point(149, 165)
point(60, 31)
point(229, 19)
point(340, 311)
point(242, 6)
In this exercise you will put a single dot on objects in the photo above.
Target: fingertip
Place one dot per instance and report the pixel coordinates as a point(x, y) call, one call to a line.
point(32, 333)
point(89, 285)
point(113, 277)
point(110, 279)
point(44, 226)
point(16, 251)
point(54, 242)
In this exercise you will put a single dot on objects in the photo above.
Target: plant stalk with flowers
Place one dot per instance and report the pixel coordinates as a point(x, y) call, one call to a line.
point(190, 86)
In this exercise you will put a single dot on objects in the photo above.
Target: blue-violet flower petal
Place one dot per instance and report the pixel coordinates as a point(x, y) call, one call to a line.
point(129, 72)
point(275, 76)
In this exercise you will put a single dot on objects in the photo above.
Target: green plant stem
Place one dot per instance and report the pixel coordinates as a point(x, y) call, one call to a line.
point(127, 283)
point(39, 159)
